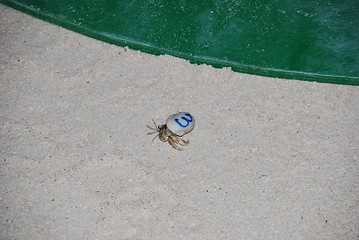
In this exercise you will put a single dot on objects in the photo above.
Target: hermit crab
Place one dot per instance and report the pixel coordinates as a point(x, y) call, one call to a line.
point(176, 126)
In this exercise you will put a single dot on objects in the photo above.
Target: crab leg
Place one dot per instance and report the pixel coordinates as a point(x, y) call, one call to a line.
point(173, 143)
point(182, 142)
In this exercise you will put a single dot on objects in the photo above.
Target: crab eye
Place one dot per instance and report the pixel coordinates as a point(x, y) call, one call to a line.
point(180, 123)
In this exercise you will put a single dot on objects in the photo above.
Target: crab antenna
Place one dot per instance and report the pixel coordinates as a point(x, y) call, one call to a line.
point(156, 128)
point(154, 138)
point(155, 124)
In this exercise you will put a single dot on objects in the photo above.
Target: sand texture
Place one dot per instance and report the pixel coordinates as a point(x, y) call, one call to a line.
point(268, 159)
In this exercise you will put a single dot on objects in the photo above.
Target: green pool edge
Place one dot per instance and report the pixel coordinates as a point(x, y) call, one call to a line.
point(275, 73)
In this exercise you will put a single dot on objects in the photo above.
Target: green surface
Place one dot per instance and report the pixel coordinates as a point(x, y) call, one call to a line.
point(306, 40)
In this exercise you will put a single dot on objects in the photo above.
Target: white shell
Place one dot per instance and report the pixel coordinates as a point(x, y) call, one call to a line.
point(180, 123)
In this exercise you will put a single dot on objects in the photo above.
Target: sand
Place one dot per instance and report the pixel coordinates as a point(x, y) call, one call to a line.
point(268, 159)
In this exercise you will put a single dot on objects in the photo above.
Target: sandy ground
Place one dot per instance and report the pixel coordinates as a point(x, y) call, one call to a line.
point(268, 159)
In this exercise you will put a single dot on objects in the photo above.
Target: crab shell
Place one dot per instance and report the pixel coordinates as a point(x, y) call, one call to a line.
point(180, 123)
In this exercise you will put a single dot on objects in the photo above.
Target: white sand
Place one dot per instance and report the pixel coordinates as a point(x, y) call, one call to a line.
point(269, 158)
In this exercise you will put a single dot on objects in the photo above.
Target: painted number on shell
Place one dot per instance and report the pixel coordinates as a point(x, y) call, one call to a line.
point(185, 122)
